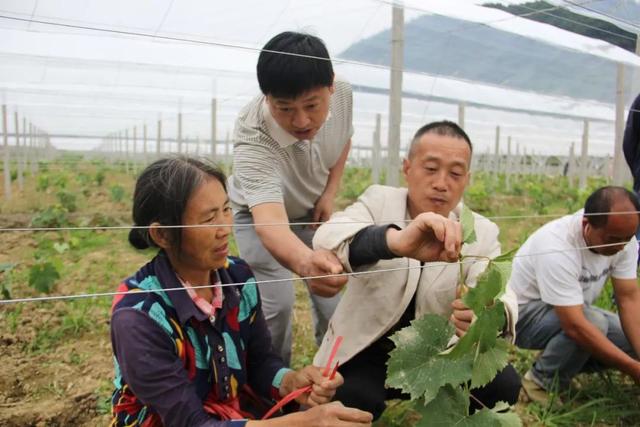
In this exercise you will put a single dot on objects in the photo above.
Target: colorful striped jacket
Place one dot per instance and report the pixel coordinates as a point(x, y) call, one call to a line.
point(170, 358)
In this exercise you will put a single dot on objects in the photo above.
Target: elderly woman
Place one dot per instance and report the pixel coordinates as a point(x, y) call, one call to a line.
point(200, 355)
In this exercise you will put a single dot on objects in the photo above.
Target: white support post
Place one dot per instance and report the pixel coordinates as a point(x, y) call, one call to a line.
point(619, 165)
point(507, 170)
point(20, 153)
point(159, 139)
point(572, 166)
point(461, 114)
point(395, 96)
point(6, 165)
point(126, 149)
point(144, 144)
point(35, 143)
point(214, 127)
point(135, 150)
point(375, 153)
point(584, 159)
point(179, 133)
point(496, 156)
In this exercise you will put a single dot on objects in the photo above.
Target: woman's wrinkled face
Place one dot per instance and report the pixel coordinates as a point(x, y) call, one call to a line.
point(206, 248)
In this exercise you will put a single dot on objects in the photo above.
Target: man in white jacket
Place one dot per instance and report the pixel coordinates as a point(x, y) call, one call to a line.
point(374, 306)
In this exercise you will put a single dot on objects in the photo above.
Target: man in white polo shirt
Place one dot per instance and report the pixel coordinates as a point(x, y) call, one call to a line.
point(557, 282)
point(290, 147)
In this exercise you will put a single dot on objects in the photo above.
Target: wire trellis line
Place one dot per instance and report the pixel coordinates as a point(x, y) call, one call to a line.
point(291, 224)
point(437, 264)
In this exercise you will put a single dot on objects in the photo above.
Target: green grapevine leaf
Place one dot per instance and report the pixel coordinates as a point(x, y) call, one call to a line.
point(42, 276)
point(490, 283)
point(483, 332)
point(489, 363)
point(415, 365)
point(447, 409)
point(450, 408)
point(506, 257)
point(468, 225)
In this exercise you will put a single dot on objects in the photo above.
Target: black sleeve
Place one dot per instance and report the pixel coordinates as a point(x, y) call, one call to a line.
point(369, 245)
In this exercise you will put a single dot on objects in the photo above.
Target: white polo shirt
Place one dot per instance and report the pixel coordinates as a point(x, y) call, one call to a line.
point(271, 165)
point(548, 266)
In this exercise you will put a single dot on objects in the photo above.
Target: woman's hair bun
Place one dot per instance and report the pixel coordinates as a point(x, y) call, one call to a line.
point(137, 238)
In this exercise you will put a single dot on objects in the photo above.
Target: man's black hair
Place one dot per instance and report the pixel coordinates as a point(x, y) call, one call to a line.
point(601, 200)
point(287, 75)
point(443, 128)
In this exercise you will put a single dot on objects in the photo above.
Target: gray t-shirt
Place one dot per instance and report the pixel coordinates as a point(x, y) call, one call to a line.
point(269, 165)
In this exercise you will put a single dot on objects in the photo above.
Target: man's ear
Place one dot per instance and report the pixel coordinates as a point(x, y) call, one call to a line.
point(159, 235)
point(406, 164)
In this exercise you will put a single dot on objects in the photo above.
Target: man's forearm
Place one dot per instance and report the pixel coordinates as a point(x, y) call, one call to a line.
point(630, 320)
point(589, 337)
point(285, 246)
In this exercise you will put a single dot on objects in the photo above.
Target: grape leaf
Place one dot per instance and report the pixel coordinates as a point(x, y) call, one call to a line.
point(450, 408)
point(488, 363)
point(468, 225)
point(42, 276)
point(415, 365)
point(490, 283)
point(483, 332)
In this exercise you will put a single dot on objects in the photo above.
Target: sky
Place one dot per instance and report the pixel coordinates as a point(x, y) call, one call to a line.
point(78, 81)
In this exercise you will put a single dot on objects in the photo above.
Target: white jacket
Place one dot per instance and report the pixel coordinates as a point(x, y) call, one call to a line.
point(373, 303)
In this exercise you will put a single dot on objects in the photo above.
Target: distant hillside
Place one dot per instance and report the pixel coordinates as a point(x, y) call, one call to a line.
point(446, 46)
point(541, 11)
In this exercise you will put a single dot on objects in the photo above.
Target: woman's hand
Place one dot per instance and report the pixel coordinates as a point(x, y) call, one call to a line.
point(322, 388)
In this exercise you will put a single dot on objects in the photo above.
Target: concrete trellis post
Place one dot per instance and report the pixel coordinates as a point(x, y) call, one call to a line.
point(159, 139)
point(214, 127)
point(375, 153)
point(6, 165)
point(461, 114)
point(507, 170)
point(144, 144)
point(619, 165)
point(20, 152)
point(395, 96)
point(584, 159)
point(496, 157)
point(572, 164)
point(135, 150)
point(126, 149)
point(179, 133)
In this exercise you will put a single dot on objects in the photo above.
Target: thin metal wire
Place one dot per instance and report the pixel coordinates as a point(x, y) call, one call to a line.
point(597, 12)
point(277, 224)
point(272, 281)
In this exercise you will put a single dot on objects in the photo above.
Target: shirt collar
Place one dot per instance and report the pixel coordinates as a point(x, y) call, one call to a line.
point(277, 132)
point(182, 302)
